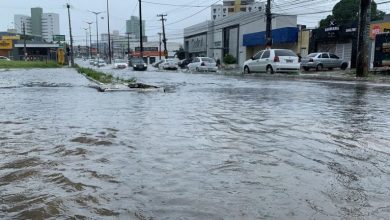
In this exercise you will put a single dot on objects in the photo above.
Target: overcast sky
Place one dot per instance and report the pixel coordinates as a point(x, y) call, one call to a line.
point(120, 10)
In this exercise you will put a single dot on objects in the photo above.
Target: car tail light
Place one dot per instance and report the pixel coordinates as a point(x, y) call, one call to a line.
point(276, 59)
point(311, 60)
point(202, 64)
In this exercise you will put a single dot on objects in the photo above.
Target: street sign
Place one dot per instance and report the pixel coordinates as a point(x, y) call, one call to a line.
point(58, 38)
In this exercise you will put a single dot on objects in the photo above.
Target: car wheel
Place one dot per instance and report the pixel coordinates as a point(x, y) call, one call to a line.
point(270, 70)
point(246, 70)
point(306, 68)
point(344, 66)
point(320, 67)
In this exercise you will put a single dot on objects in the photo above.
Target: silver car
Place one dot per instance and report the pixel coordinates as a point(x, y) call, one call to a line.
point(322, 60)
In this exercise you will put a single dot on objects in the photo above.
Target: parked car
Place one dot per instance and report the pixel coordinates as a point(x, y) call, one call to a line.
point(101, 63)
point(157, 64)
point(2, 58)
point(169, 64)
point(184, 63)
point(91, 61)
point(138, 64)
point(322, 60)
point(120, 64)
point(203, 64)
point(271, 61)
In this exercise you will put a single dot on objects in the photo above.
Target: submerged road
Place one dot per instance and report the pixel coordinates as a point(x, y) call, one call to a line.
point(210, 147)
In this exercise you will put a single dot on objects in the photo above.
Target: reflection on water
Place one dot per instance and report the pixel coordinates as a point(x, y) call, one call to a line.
point(212, 147)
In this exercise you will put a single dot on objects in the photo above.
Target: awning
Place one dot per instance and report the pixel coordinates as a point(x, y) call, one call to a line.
point(279, 36)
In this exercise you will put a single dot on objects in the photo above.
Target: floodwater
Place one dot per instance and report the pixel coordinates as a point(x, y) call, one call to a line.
point(210, 147)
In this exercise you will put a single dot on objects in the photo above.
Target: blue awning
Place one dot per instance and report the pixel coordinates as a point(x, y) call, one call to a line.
point(279, 36)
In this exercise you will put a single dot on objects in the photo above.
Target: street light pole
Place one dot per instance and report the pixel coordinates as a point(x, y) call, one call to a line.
point(97, 35)
point(90, 39)
point(109, 34)
point(128, 44)
point(86, 40)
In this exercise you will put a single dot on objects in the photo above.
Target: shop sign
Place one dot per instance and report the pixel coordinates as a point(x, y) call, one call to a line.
point(16, 37)
point(349, 30)
point(58, 38)
point(197, 44)
point(332, 29)
point(5, 44)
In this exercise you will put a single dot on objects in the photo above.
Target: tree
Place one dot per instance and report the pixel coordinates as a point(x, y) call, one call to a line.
point(347, 11)
point(180, 54)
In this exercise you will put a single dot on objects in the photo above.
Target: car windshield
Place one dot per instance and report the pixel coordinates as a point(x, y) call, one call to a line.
point(285, 53)
point(119, 61)
point(208, 60)
point(312, 55)
point(137, 61)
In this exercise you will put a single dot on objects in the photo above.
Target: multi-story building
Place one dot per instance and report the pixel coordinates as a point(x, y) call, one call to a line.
point(132, 26)
point(40, 24)
point(19, 21)
point(50, 26)
point(230, 7)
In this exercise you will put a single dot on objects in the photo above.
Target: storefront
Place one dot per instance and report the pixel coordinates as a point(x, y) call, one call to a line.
point(239, 35)
point(340, 40)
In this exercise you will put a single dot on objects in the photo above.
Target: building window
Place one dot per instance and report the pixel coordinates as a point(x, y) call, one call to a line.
point(215, 10)
point(231, 10)
point(243, 9)
point(214, 17)
point(249, 9)
point(224, 10)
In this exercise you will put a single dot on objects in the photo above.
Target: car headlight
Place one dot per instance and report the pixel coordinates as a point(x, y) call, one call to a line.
point(135, 66)
point(145, 65)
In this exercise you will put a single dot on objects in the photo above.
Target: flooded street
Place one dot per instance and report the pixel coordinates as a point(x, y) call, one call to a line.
point(210, 147)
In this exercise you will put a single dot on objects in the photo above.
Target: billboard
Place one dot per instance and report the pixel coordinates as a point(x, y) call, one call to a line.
point(6, 44)
point(379, 28)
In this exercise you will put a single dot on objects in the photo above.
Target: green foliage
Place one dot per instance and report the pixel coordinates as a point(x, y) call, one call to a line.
point(229, 59)
point(96, 75)
point(27, 64)
point(103, 77)
point(180, 54)
point(347, 11)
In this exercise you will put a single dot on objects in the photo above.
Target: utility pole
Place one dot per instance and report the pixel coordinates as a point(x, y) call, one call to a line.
point(159, 47)
point(24, 42)
point(71, 38)
point(109, 34)
point(140, 31)
point(362, 68)
point(268, 31)
point(164, 38)
point(90, 39)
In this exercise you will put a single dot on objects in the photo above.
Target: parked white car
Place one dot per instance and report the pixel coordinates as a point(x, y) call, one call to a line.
point(203, 64)
point(169, 64)
point(2, 58)
point(120, 64)
point(273, 60)
point(101, 63)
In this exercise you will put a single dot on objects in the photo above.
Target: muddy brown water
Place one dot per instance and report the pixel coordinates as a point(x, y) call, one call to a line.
point(210, 147)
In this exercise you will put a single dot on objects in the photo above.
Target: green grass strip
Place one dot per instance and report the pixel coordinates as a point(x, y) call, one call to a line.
point(27, 64)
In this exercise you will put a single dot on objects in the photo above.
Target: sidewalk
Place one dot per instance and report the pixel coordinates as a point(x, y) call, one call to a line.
point(335, 75)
